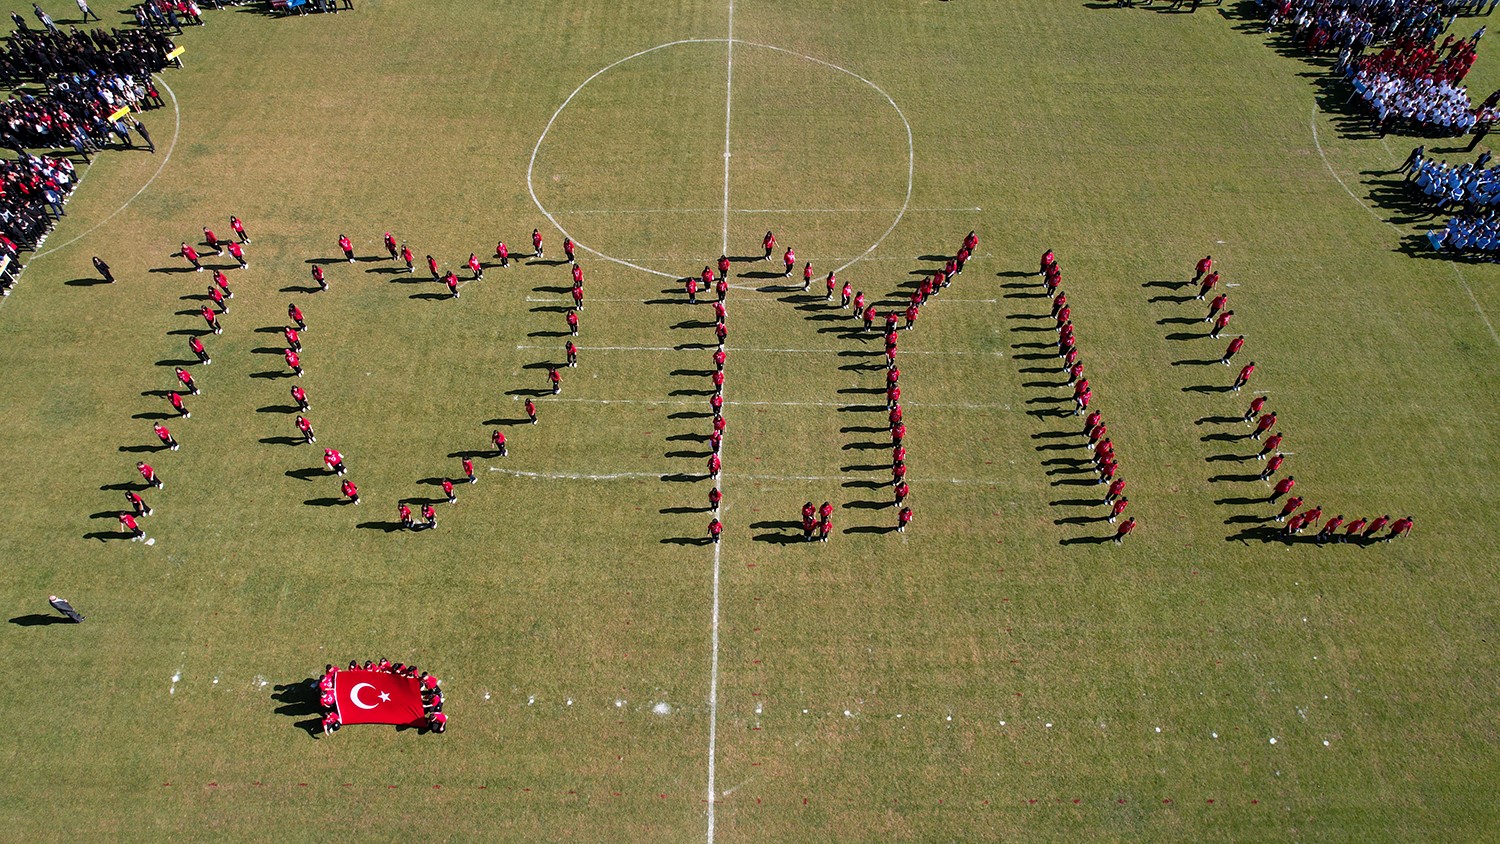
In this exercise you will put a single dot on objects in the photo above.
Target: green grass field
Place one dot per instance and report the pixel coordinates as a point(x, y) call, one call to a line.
point(981, 676)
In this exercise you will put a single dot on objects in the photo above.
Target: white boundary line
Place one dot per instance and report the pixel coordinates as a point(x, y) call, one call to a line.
point(171, 145)
point(656, 476)
point(766, 351)
point(691, 402)
point(1312, 124)
point(627, 211)
point(713, 665)
point(911, 157)
point(558, 300)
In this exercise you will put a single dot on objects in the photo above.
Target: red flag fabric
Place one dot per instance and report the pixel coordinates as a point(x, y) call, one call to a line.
point(374, 697)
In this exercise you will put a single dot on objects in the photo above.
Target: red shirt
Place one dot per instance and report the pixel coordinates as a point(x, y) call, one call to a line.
point(790, 257)
point(1285, 485)
point(299, 394)
point(500, 251)
point(474, 262)
point(146, 471)
point(294, 312)
point(499, 438)
point(769, 242)
point(447, 487)
point(807, 272)
point(1273, 442)
point(195, 344)
point(1245, 373)
point(345, 244)
point(190, 253)
point(572, 318)
point(432, 264)
point(724, 265)
point(577, 274)
point(235, 249)
point(708, 277)
point(536, 239)
point(1204, 264)
point(406, 254)
point(128, 522)
point(292, 359)
point(350, 489)
point(1126, 527)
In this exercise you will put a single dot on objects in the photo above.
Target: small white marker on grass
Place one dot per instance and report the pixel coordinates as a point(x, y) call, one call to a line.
point(662, 708)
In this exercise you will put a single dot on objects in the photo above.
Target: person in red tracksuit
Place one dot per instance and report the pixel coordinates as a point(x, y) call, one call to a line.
point(1117, 508)
point(807, 274)
point(1216, 305)
point(715, 529)
point(1124, 530)
point(1400, 528)
point(165, 436)
point(707, 278)
point(714, 497)
point(293, 339)
point(1116, 489)
point(452, 281)
point(572, 319)
point(1272, 466)
point(432, 267)
point(1203, 267)
point(197, 346)
point(351, 491)
point(503, 253)
point(390, 245)
point(723, 267)
point(295, 313)
point(577, 275)
point(578, 297)
point(187, 381)
point(191, 255)
point(789, 260)
point(306, 428)
point(903, 519)
point(769, 243)
point(1221, 323)
point(1255, 405)
point(1265, 424)
point(1283, 487)
point(212, 319)
point(239, 229)
point(127, 521)
point(692, 289)
point(568, 253)
point(1244, 377)
point(1289, 507)
point(536, 244)
point(448, 491)
point(299, 396)
point(347, 246)
point(572, 353)
point(1273, 442)
point(293, 362)
point(531, 411)
point(406, 258)
point(175, 399)
point(498, 438)
point(149, 475)
point(475, 267)
point(556, 378)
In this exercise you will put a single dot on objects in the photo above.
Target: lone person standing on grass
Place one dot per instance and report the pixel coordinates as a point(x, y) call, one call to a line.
point(103, 269)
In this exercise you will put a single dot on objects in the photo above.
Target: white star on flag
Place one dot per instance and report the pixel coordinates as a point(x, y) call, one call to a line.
point(385, 697)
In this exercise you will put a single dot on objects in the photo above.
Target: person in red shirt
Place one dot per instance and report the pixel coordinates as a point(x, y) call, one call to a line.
point(1208, 283)
point(568, 250)
point(475, 267)
point(845, 294)
point(351, 491)
point(1400, 528)
point(307, 430)
point(578, 297)
point(531, 411)
point(769, 242)
point(692, 289)
point(293, 339)
point(448, 491)
point(1283, 487)
point(903, 519)
point(1374, 528)
point(1310, 516)
point(713, 465)
point(721, 288)
point(128, 522)
point(807, 274)
point(1117, 508)
point(138, 505)
point(898, 433)
point(1049, 260)
point(191, 255)
point(830, 282)
point(334, 461)
point(1075, 372)
point(216, 296)
point(296, 316)
point(1216, 305)
point(347, 246)
point(406, 258)
point(221, 281)
point(825, 527)
point(1083, 399)
point(719, 357)
point(556, 379)
point(720, 312)
point(1272, 443)
point(1059, 302)
point(187, 381)
point(212, 319)
point(452, 281)
point(498, 438)
point(870, 316)
point(721, 331)
point(723, 267)
point(1272, 466)
point(1295, 525)
point(1265, 424)
point(789, 259)
point(164, 435)
point(1116, 489)
point(892, 396)
point(238, 253)
point(707, 278)
point(432, 267)
point(716, 440)
point(825, 511)
point(716, 404)
point(1203, 267)
point(809, 524)
point(299, 396)
point(197, 346)
point(714, 497)
point(1255, 405)
point(1124, 530)
point(148, 474)
point(715, 529)
point(503, 253)
point(317, 274)
point(1289, 507)
point(536, 245)
point(293, 362)
point(1221, 323)
point(578, 275)
point(1330, 528)
point(573, 323)
point(1244, 377)
point(718, 380)
point(175, 399)
point(404, 512)
point(239, 229)
point(1353, 529)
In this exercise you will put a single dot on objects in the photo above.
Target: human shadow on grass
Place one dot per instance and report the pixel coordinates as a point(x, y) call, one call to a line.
point(531, 392)
point(548, 334)
point(864, 484)
point(1057, 447)
point(329, 501)
point(1241, 500)
point(1208, 388)
point(142, 449)
point(1176, 300)
point(106, 535)
point(868, 505)
point(1224, 437)
point(1263, 533)
point(171, 270)
point(300, 700)
point(401, 270)
point(85, 282)
point(471, 453)
point(273, 374)
point(552, 309)
point(278, 408)
point(174, 363)
point(688, 347)
point(39, 620)
point(689, 414)
point(282, 440)
point(687, 540)
point(431, 296)
point(132, 486)
point(862, 391)
point(875, 529)
point(778, 538)
point(384, 527)
point(698, 438)
point(307, 473)
point(1080, 520)
point(1195, 362)
point(686, 392)
point(505, 423)
point(695, 455)
point(682, 478)
point(1222, 458)
point(1179, 336)
point(679, 511)
point(1075, 502)
point(1181, 320)
point(1247, 519)
point(193, 312)
point(299, 288)
point(1085, 540)
point(153, 416)
point(1233, 478)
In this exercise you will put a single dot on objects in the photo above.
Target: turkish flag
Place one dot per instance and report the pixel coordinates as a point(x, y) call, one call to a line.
point(374, 697)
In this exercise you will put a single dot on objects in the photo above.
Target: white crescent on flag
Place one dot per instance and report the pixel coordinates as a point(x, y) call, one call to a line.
point(354, 696)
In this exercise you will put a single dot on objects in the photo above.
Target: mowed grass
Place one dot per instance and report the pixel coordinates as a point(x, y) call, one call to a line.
point(970, 679)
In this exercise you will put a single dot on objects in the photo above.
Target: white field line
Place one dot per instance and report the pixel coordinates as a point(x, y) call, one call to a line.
point(689, 259)
point(1464, 282)
point(742, 350)
point(628, 211)
point(694, 402)
point(171, 145)
point(656, 476)
point(559, 300)
point(713, 670)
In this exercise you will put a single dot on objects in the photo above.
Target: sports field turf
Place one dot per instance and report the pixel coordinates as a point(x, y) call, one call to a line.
point(983, 676)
